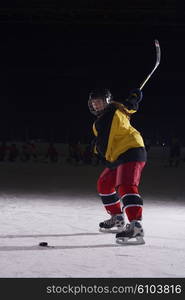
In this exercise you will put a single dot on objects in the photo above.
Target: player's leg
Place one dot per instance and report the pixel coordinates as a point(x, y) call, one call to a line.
point(110, 199)
point(128, 179)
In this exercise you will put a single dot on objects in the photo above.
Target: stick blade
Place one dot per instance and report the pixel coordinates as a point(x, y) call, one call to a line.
point(156, 43)
point(158, 52)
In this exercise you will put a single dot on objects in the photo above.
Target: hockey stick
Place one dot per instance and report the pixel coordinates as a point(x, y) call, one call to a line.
point(158, 58)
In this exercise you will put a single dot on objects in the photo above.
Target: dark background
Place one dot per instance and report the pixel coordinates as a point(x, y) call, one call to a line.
point(53, 54)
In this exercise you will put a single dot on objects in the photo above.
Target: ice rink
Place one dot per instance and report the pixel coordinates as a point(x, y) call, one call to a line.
point(57, 203)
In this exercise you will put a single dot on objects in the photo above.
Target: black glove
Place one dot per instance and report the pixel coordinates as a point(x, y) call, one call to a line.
point(133, 99)
point(135, 96)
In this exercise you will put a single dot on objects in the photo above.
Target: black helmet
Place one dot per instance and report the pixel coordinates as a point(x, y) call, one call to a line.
point(103, 94)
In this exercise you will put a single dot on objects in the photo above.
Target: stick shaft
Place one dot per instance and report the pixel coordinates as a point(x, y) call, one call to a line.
point(158, 58)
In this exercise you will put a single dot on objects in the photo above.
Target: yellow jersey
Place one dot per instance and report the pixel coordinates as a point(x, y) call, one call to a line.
point(116, 138)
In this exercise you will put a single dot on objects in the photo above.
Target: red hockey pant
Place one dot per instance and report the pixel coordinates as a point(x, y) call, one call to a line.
point(122, 184)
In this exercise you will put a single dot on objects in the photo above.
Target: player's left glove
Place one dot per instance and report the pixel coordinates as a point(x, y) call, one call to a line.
point(135, 96)
point(133, 99)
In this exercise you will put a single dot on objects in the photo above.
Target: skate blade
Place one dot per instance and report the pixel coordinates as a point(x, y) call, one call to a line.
point(106, 230)
point(130, 241)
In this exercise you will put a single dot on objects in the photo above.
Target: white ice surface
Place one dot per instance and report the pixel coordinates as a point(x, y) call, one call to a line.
point(57, 203)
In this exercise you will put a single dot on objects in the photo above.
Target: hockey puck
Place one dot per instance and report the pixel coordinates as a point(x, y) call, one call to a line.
point(43, 244)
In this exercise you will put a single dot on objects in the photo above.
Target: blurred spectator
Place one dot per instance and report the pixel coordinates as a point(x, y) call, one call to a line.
point(87, 155)
point(52, 153)
point(13, 153)
point(3, 151)
point(28, 152)
point(25, 153)
point(33, 151)
point(147, 144)
point(175, 152)
point(75, 153)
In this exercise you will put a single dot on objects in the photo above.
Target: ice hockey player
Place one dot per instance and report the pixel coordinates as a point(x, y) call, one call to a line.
point(121, 148)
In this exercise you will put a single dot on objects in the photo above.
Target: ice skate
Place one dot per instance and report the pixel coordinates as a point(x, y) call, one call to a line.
point(132, 234)
point(114, 224)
